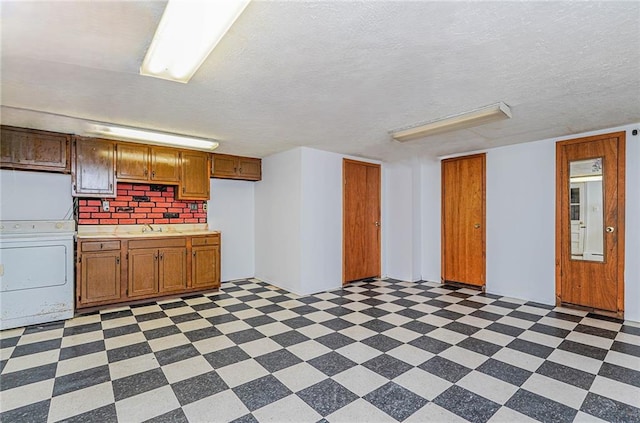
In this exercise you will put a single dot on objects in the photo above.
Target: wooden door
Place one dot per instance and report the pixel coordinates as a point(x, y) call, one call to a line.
point(361, 220)
point(143, 271)
point(172, 271)
point(194, 167)
point(93, 168)
point(165, 165)
point(463, 220)
point(132, 163)
point(592, 275)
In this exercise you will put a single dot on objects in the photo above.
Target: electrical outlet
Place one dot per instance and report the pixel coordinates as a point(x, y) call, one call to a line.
point(105, 205)
point(204, 206)
point(193, 206)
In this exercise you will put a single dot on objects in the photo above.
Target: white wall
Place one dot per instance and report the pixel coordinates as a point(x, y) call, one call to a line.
point(632, 226)
point(277, 220)
point(402, 184)
point(521, 220)
point(35, 196)
point(231, 210)
point(321, 221)
point(430, 210)
point(520, 225)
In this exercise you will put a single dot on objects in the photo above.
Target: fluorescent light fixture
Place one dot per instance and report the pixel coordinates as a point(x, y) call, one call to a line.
point(464, 120)
point(151, 137)
point(188, 31)
point(586, 178)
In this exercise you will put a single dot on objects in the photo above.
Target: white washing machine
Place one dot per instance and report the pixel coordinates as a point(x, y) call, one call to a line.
point(36, 272)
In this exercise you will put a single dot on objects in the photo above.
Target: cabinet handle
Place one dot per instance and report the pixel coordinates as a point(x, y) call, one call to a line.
point(153, 174)
point(146, 172)
point(117, 260)
point(155, 257)
point(161, 256)
point(110, 187)
point(194, 253)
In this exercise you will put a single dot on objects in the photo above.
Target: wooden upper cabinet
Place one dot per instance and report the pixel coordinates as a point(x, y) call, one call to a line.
point(250, 168)
point(132, 162)
point(194, 168)
point(225, 166)
point(31, 149)
point(144, 163)
point(93, 167)
point(165, 165)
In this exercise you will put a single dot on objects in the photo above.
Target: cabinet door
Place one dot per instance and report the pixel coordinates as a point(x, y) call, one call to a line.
point(93, 168)
point(194, 181)
point(205, 267)
point(224, 166)
point(250, 168)
point(132, 162)
point(99, 277)
point(173, 269)
point(143, 271)
point(165, 165)
point(30, 149)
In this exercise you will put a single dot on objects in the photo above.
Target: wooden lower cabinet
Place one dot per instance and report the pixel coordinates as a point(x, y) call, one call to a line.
point(205, 261)
point(98, 272)
point(114, 271)
point(172, 270)
point(100, 276)
point(153, 270)
point(143, 272)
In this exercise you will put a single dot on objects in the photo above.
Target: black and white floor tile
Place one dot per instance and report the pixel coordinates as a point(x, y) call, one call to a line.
point(376, 351)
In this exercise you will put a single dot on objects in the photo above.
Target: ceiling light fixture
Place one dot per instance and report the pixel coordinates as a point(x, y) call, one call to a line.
point(188, 31)
point(151, 137)
point(464, 120)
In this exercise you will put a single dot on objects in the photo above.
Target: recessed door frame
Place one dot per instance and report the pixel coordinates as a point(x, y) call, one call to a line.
point(562, 187)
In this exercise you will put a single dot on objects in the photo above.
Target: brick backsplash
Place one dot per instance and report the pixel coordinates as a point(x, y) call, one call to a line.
point(125, 210)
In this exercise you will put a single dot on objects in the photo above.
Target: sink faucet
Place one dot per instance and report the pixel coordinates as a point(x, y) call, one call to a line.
point(150, 228)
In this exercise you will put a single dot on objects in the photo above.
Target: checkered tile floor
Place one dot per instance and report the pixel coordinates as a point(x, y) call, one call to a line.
point(377, 351)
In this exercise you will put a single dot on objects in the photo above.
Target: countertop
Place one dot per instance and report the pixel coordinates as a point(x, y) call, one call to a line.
point(143, 231)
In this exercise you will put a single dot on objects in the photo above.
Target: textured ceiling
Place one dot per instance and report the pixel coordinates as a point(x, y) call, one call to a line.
point(334, 75)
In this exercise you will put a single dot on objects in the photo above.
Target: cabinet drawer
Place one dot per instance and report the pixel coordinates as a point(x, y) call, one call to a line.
point(158, 243)
point(100, 245)
point(209, 240)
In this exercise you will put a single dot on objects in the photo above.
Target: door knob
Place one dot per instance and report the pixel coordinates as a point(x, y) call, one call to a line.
point(610, 229)
point(477, 226)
